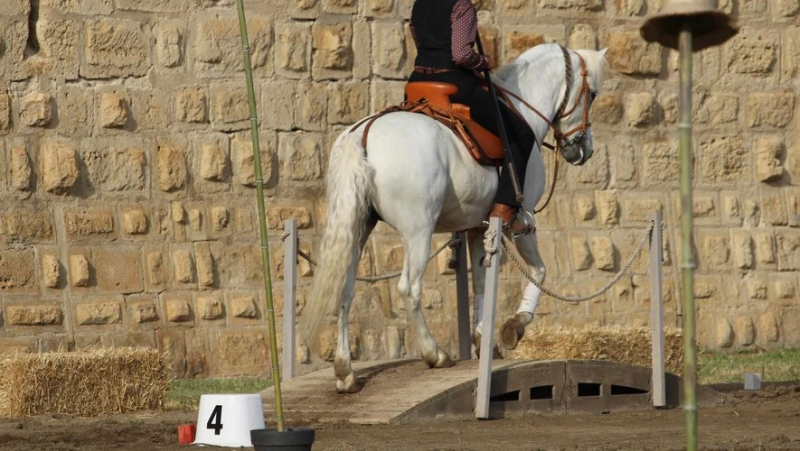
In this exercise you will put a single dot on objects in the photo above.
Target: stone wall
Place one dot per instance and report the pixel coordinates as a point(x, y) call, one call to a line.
point(127, 201)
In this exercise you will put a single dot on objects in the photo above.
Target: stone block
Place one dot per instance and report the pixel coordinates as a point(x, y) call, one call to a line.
point(37, 109)
point(607, 207)
point(602, 250)
point(183, 266)
point(112, 167)
point(637, 210)
point(143, 312)
point(742, 247)
point(641, 109)
point(214, 161)
point(156, 271)
point(205, 265)
point(172, 169)
point(26, 226)
point(773, 209)
point(218, 218)
point(242, 351)
point(75, 105)
point(769, 152)
point(765, 247)
point(84, 222)
point(347, 103)
point(279, 101)
point(755, 51)
point(59, 166)
point(770, 109)
point(242, 159)
point(388, 51)
point(518, 41)
point(745, 330)
point(312, 111)
point(17, 270)
point(178, 309)
point(385, 94)
point(150, 107)
point(34, 315)
point(340, 6)
point(210, 307)
point(630, 55)
point(582, 36)
point(788, 247)
point(581, 254)
point(169, 45)
point(5, 112)
point(58, 48)
point(98, 313)
point(173, 344)
point(300, 155)
point(717, 108)
point(292, 49)
point(244, 306)
point(118, 269)
point(714, 250)
point(115, 48)
point(15, 7)
point(20, 170)
point(230, 110)
point(331, 49)
point(607, 108)
point(305, 9)
point(51, 271)
point(191, 105)
point(113, 111)
point(768, 331)
point(724, 159)
point(756, 288)
point(135, 221)
point(278, 214)
point(784, 287)
point(724, 335)
point(217, 47)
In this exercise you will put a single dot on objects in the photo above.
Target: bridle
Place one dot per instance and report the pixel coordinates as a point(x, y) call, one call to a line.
point(562, 138)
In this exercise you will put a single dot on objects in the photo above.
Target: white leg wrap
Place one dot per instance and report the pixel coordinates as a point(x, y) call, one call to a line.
point(530, 299)
point(479, 327)
point(477, 309)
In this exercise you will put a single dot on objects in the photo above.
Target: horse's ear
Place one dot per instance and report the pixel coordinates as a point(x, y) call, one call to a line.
point(603, 52)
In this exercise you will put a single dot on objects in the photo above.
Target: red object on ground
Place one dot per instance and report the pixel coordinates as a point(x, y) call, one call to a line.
point(186, 433)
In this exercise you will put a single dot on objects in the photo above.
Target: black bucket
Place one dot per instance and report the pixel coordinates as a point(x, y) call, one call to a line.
point(298, 439)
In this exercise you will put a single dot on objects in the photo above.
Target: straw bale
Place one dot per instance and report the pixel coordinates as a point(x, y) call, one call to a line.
point(84, 383)
point(617, 344)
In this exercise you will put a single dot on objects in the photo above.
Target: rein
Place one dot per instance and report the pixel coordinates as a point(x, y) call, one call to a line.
point(561, 113)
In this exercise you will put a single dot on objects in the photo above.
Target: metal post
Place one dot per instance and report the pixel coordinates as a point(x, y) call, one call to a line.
point(462, 299)
point(687, 224)
point(487, 335)
point(658, 389)
point(289, 299)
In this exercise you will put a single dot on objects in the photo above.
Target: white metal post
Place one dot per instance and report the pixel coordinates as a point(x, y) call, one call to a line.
point(462, 299)
point(487, 334)
point(659, 393)
point(289, 296)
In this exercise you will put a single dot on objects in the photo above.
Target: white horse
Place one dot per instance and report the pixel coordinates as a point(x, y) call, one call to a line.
point(415, 175)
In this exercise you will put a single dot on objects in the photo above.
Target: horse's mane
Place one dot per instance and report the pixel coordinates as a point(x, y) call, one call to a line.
point(596, 64)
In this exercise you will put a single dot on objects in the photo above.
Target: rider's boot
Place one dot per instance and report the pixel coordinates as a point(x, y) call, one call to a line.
point(511, 222)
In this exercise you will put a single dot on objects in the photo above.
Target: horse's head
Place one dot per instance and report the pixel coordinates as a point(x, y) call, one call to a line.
point(571, 125)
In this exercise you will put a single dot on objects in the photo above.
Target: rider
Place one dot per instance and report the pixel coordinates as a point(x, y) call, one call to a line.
point(444, 32)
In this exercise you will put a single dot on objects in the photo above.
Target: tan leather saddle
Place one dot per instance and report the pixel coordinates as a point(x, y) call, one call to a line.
point(433, 100)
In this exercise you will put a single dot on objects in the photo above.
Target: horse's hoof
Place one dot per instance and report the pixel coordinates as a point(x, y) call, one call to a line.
point(442, 360)
point(348, 385)
point(511, 332)
point(476, 342)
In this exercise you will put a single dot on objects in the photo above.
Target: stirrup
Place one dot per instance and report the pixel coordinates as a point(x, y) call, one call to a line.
point(528, 224)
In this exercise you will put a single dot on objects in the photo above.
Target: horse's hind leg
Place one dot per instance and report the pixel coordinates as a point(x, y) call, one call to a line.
point(345, 378)
point(410, 286)
point(514, 328)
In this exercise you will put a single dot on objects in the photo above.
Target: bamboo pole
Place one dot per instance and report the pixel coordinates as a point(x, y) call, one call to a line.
point(687, 254)
point(251, 100)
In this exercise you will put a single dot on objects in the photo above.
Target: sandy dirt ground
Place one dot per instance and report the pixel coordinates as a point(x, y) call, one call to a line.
point(768, 419)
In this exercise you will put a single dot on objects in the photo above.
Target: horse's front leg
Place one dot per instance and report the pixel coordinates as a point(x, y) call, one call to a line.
point(513, 329)
point(476, 253)
point(410, 288)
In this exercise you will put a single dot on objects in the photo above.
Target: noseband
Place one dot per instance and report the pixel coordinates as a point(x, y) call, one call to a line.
point(562, 112)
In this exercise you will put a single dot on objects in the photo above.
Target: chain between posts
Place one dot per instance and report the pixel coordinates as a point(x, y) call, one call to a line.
point(453, 241)
point(518, 264)
point(514, 259)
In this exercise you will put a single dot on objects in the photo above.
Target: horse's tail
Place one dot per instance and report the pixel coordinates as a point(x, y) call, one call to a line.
point(350, 181)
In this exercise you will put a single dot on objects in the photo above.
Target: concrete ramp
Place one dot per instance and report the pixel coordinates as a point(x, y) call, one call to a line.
point(407, 391)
